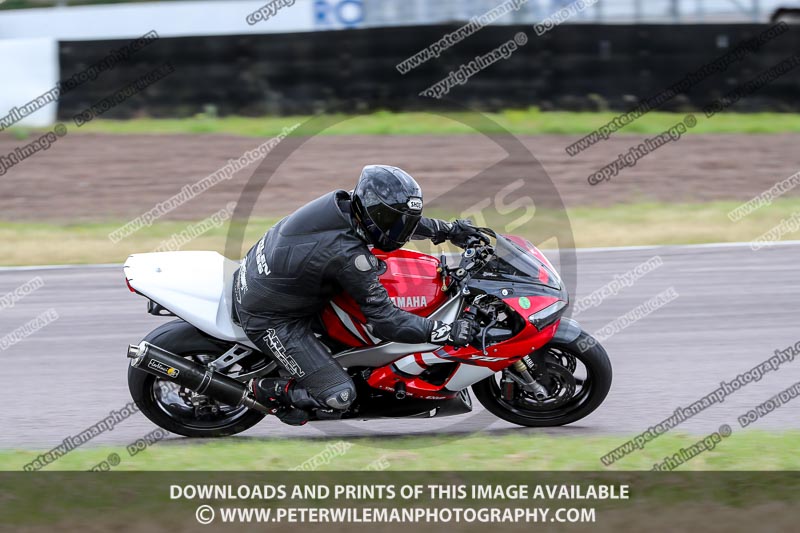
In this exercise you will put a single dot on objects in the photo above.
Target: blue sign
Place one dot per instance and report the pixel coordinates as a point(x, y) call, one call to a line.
point(339, 13)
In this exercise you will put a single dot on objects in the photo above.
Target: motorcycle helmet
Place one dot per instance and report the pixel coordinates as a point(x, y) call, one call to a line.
point(387, 206)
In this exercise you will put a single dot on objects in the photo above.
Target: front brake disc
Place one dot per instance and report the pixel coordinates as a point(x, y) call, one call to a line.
point(563, 389)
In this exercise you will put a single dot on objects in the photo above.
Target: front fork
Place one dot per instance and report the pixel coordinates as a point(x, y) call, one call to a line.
point(531, 375)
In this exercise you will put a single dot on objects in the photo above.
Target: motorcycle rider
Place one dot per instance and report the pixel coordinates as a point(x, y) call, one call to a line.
point(302, 262)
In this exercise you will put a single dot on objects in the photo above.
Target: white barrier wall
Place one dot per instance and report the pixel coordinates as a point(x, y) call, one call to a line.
point(29, 68)
point(177, 19)
point(413, 12)
point(29, 37)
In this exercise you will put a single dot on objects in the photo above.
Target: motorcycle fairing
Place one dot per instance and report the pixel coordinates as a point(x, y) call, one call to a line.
point(195, 286)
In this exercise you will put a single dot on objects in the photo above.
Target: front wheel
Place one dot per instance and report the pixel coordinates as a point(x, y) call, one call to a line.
point(579, 380)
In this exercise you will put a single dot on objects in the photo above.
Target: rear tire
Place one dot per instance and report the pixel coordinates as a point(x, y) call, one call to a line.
point(185, 340)
point(598, 368)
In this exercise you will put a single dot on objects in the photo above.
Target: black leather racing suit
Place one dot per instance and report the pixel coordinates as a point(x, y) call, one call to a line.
point(288, 277)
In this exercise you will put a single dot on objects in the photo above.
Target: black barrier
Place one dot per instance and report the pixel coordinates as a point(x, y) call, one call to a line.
point(366, 501)
point(574, 67)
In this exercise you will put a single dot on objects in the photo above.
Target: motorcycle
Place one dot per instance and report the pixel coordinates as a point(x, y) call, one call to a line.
point(528, 365)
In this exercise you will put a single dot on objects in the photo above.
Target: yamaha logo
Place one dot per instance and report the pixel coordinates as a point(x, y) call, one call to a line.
point(409, 302)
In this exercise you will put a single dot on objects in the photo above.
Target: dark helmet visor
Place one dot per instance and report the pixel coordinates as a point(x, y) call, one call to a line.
point(391, 227)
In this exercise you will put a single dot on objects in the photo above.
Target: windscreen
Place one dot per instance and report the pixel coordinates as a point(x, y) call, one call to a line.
point(513, 260)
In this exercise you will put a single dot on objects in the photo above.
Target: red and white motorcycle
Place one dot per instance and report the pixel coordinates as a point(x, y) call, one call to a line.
point(528, 365)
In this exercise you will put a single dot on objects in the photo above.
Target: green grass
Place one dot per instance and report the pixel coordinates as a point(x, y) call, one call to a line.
point(517, 121)
point(29, 243)
point(522, 450)
point(136, 494)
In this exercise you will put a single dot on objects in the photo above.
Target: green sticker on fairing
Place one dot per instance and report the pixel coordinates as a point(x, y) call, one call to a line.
point(524, 303)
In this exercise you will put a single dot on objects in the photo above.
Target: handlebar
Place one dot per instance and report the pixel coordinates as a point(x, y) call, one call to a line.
point(485, 238)
point(478, 251)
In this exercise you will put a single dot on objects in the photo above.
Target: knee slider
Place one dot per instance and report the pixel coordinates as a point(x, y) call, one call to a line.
point(331, 387)
point(340, 397)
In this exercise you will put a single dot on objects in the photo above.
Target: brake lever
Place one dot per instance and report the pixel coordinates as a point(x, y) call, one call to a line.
point(483, 335)
point(471, 313)
point(472, 242)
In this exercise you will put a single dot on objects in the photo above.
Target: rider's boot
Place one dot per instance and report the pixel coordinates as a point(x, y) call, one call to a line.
point(289, 402)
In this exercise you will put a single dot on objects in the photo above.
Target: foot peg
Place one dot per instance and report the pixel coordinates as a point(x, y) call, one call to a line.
point(279, 395)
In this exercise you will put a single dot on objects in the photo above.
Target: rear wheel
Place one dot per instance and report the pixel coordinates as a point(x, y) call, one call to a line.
point(178, 409)
point(579, 375)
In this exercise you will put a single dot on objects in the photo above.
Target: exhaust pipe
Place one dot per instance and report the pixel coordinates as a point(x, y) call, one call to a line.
point(163, 364)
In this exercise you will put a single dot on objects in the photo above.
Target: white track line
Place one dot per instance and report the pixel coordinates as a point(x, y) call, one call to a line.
point(579, 250)
point(58, 267)
point(687, 246)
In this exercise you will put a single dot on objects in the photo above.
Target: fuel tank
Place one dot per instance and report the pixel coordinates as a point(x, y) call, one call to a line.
point(413, 282)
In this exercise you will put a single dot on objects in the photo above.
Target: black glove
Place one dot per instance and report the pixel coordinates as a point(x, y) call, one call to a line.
point(462, 231)
point(459, 333)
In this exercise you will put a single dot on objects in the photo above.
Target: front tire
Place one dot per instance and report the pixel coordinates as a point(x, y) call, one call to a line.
point(147, 390)
point(593, 388)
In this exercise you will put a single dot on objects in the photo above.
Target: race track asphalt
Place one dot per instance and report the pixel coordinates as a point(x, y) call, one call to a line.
point(735, 307)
